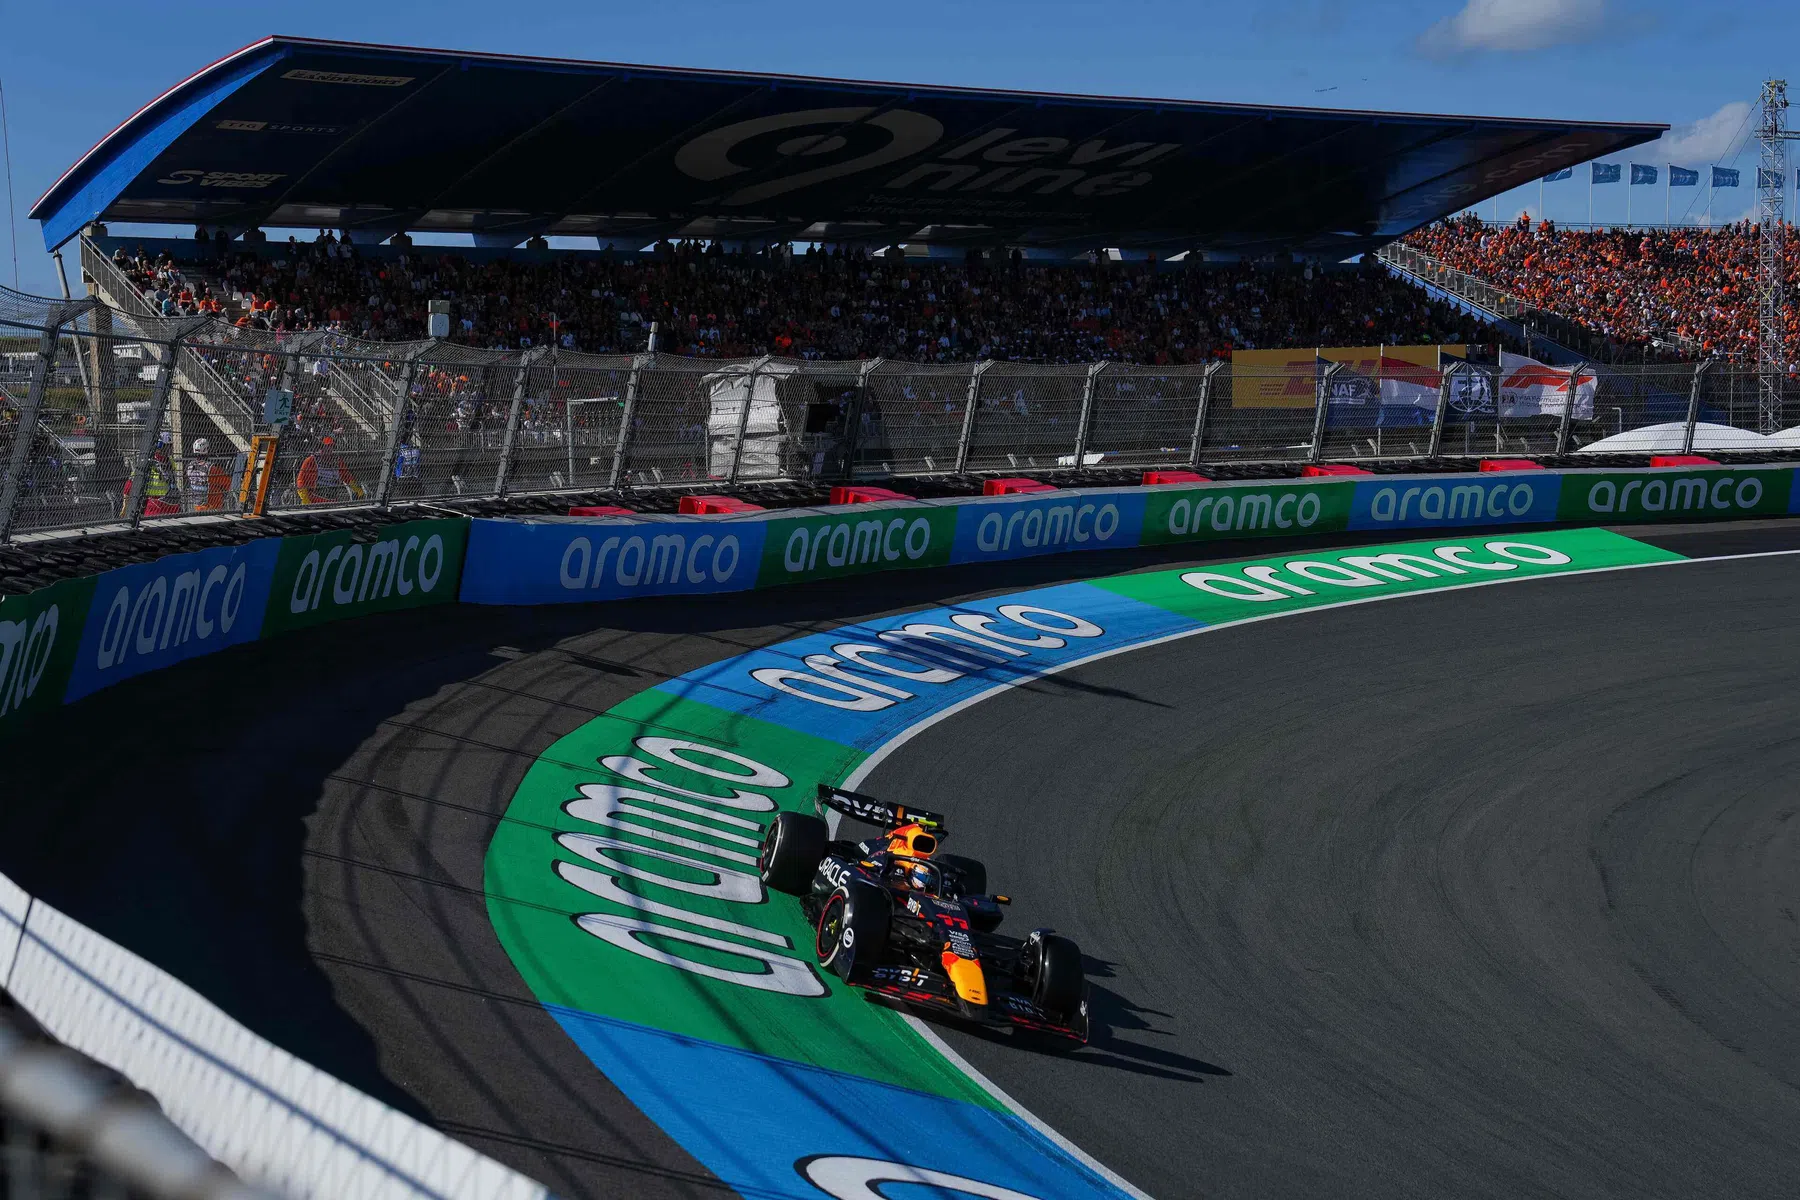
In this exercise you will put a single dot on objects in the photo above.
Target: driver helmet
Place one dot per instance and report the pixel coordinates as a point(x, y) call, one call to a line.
point(914, 840)
point(918, 877)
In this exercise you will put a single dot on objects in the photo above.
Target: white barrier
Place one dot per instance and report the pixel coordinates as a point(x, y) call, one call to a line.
point(266, 1114)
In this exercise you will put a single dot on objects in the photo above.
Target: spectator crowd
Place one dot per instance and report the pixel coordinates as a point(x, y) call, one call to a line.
point(815, 305)
point(1694, 290)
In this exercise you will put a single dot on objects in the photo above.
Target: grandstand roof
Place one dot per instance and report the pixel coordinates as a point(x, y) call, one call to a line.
point(300, 132)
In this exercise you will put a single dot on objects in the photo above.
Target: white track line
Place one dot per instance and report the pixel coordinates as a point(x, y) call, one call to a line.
point(868, 765)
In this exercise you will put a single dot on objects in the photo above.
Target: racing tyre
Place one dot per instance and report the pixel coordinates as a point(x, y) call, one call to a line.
point(1055, 975)
point(853, 928)
point(791, 851)
point(973, 871)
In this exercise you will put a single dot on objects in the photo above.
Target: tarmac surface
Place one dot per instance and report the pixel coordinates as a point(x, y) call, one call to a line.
point(1491, 892)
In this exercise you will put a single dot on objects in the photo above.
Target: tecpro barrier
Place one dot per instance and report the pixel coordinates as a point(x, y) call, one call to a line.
point(560, 560)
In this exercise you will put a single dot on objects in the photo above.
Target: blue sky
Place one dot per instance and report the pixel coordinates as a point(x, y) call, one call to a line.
point(71, 72)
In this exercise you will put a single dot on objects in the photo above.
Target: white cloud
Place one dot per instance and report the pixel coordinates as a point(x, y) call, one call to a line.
point(1514, 25)
point(1707, 140)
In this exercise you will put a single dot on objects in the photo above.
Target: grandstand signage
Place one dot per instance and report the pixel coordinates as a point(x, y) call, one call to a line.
point(1205, 514)
point(1704, 495)
point(1000, 529)
point(152, 615)
point(329, 576)
point(873, 539)
point(1390, 375)
point(39, 633)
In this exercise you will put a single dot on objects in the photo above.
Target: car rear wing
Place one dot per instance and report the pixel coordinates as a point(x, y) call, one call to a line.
point(875, 812)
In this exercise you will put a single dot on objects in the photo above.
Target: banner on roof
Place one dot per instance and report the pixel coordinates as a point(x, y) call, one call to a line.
point(1641, 173)
point(1724, 177)
point(1529, 388)
point(1606, 173)
point(1682, 177)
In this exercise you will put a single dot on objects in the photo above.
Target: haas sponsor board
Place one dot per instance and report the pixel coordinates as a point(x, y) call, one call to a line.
point(1422, 503)
point(38, 635)
point(512, 562)
point(155, 614)
point(1678, 495)
point(1071, 521)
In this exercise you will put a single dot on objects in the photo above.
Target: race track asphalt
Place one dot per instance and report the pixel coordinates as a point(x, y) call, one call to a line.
point(1486, 893)
point(1490, 893)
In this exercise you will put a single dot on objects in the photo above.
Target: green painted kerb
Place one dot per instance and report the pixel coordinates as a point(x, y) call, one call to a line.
point(856, 542)
point(701, 951)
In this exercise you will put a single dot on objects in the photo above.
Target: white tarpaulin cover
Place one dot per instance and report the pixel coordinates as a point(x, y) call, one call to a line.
point(728, 391)
point(1668, 437)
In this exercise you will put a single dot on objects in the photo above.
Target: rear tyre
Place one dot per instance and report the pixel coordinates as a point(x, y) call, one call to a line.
point(1057, 985)
point(791, 852)
point(853, 928)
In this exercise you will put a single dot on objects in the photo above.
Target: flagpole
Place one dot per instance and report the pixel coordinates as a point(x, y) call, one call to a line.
point(1590, 197)
point(1629, 182)
point(1668, 187)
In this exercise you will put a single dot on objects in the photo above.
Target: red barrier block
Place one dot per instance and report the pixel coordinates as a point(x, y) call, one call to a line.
point(1682, 460)
point(1318, 469)
point(1510, 464)
point(600, 510)
point(695, 506)
point(1152, 478)
point(1013, 486)
point(863, 495)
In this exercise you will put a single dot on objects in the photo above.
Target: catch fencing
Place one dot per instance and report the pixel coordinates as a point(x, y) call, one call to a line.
point(112, 414)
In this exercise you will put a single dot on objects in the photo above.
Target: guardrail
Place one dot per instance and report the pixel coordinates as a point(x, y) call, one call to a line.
point(174, 400)
point(280, 1122)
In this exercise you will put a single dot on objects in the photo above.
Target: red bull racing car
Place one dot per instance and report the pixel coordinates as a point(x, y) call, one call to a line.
point(902, 921)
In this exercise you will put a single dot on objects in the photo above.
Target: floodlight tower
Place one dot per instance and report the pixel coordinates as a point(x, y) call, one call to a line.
point(1771, 186)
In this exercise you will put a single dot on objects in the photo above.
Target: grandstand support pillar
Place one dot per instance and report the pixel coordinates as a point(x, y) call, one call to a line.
point(520, 386)
point(43, 373)
point(737, 449)
point(853, 418)
point(1320, 408)
point(1084, 422)
point(1568, 415)
point(1446, 381)
point(1693, 413)
point(968, 425)
point(1201, 410)
point(153, 426)
point(628, 415)
point(385, 486)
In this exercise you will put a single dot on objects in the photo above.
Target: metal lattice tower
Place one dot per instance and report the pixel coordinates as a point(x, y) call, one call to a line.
point(1771, 180)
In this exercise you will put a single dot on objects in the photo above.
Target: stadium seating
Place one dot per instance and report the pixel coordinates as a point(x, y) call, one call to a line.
point(814, 305)
point(1694, 290)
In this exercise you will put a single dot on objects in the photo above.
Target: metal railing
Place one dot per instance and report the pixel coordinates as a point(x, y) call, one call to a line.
point(380, 423)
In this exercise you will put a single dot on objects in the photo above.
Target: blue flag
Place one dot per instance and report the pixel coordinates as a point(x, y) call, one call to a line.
point(1682, 177)
point(1725, 177)
point(1553, 176)
point(1768, 178)
point(1642, 174)
point(1606, 172)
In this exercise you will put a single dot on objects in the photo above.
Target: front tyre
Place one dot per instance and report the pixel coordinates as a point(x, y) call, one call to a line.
point(1052, 971)
point(853, 928)
point(791, 852)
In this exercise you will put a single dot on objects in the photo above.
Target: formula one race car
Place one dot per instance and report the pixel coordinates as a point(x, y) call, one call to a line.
point(904, 922)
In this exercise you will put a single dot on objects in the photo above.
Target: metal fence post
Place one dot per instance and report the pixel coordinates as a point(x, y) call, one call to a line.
point(139, 494)
point(41, 376)
point(853, 418)
point(737, 451)
point(968, 425)
point(1568, 415)
point(1317, 450)
point(526, 362)
point(628, 415)
point(1206, 386)
point(385, 486)
point(1085, 421)
point(1447, 380)
point(1693, 413)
